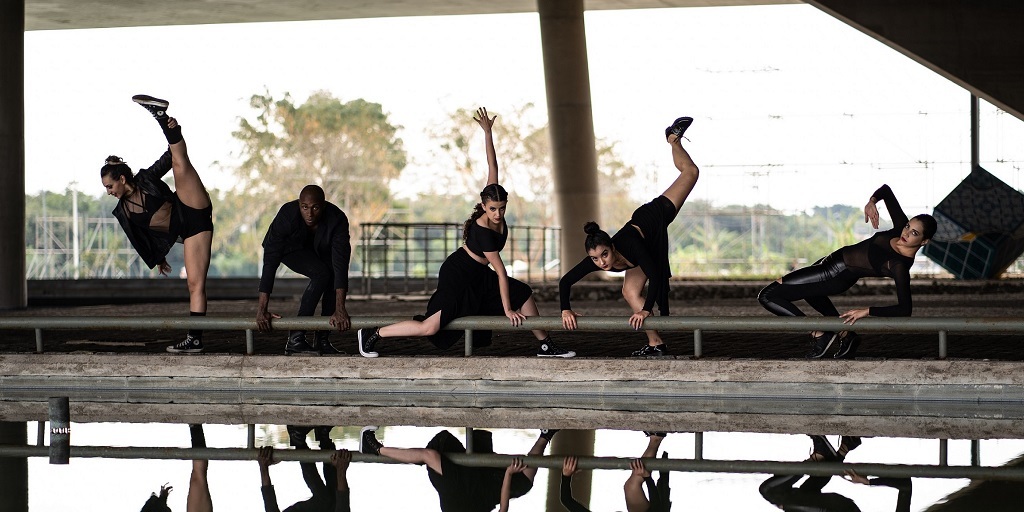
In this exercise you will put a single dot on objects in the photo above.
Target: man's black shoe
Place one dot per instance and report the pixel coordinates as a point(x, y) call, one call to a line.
point(323, 344)
point(297, 344)
point(297, 435)
point(848, 345)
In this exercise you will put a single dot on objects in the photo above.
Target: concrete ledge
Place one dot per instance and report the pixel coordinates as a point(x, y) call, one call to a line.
point(945, 399)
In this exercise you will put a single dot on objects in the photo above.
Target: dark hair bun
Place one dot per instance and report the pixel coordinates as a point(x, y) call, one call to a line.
point(591, 228)
point(114, 160)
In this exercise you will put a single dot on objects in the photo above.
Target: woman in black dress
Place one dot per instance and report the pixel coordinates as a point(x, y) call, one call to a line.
point(465, 284)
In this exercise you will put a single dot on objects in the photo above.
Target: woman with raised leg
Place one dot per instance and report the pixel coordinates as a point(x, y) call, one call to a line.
point(154, 217)
point(465, 284)
point(639, 248)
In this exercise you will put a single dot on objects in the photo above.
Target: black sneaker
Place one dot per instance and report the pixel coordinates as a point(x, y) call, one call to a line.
point(368, 337)
point(649, 433)
point(548, 433)
point(190, 345)
point(652, 351)
point(323, 344)
point(155, 106)
point(297, 344)
point(824, 448)
point(821, 344)
point(368, 442)
point(848, 346)
point(297, 435)
point(549, 349)
point(679, 127)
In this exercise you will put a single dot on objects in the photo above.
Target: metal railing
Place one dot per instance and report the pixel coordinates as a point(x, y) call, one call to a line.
point(697, 324)
point(549, 461)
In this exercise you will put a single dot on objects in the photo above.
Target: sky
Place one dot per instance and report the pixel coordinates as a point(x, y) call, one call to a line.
point(792, 108)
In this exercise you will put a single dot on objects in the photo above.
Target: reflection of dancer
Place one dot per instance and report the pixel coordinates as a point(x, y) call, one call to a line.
point(640, 249)
point(154, 217)
point(780, 490)
point(465, 285)
point(886, 254)
point(311, 237)
point(636, 500)
point(158, 503)
point(464, 488)
point(198, 499)
point(325, 498)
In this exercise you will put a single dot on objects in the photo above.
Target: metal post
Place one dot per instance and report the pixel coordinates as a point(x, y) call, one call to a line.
point(250, 345)
point(469, 342)
point(975, 134)
point(943, 452)
point(39, 341)
point(469, 439)
point(975, 452)
point(942, 344)
point(698, 343)
point(698, 446)
point(60, 430)
point(40, 433)
point(251, 436)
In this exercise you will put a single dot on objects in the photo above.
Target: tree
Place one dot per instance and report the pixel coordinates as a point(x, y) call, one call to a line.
point(348, 148)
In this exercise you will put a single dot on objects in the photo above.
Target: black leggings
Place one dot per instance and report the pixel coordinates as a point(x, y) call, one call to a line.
point(814, 284)
point(321, 282)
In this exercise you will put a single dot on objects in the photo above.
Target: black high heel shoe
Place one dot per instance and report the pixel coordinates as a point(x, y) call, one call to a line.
point(679, 127)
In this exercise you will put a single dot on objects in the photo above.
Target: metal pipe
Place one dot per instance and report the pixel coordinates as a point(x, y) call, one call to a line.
point(698, 446)
point(250, 344)
point(943, 452)
point(698, 343)
point(975, 452)
point(39, 341)
point(942, 344)
point(548, 461)
point(500, 323)
point(250, 438)
point(469, 342)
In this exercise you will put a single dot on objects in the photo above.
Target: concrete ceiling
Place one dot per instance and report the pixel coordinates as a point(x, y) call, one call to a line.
point(77, 14)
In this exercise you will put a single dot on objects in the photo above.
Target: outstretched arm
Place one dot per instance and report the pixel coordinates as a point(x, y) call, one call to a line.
point(492, 157)
point(517, 466)
point(885, 194)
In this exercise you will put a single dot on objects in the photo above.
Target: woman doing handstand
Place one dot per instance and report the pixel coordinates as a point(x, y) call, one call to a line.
point(640, 248)
point(154, 217)
point(887, 253)
point(465, 285)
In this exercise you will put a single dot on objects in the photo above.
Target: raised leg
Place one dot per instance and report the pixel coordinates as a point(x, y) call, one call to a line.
point(680, 189)
point(187, 184)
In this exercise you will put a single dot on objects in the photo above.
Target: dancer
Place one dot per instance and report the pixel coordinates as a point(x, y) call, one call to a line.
point(326, 497)
point(640, 249)
point(464, 488)
point(311, 237)
point(465, 285)
point(199, 499)
point(781, 490)
point(154, 217)
point(887, 253)
point(657, 497)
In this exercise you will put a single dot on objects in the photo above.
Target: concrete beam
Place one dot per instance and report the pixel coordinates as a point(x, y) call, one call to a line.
point(977, 45)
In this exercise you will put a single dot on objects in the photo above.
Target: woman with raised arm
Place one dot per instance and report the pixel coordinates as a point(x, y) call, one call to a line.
point(640, 249)
point(887, 253)
point(465, 284)
point(154, 217)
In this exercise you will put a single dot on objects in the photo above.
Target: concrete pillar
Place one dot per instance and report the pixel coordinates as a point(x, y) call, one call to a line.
point(13, 292)
point(14, 484)
point(570, 121)
point(570, 442)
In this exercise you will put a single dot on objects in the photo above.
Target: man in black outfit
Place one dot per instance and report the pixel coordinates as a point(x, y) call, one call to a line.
point(310, 236)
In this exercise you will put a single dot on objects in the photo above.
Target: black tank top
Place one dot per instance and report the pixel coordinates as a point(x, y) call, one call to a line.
point(481, 239)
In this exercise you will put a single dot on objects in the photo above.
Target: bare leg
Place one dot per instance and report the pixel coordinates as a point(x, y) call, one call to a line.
point(187, 184)
point(680, 189)
point(199, 489)
point(653, 444)
point(197, 266)
point(636, 500)
point(632, 286)
point(530, 309)
point(428, 327)
point(432, 458)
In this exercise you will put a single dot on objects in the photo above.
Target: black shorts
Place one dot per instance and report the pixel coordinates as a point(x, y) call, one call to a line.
point(188, 222)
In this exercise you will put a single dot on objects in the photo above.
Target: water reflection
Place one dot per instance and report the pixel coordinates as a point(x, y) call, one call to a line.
point(617, 481)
